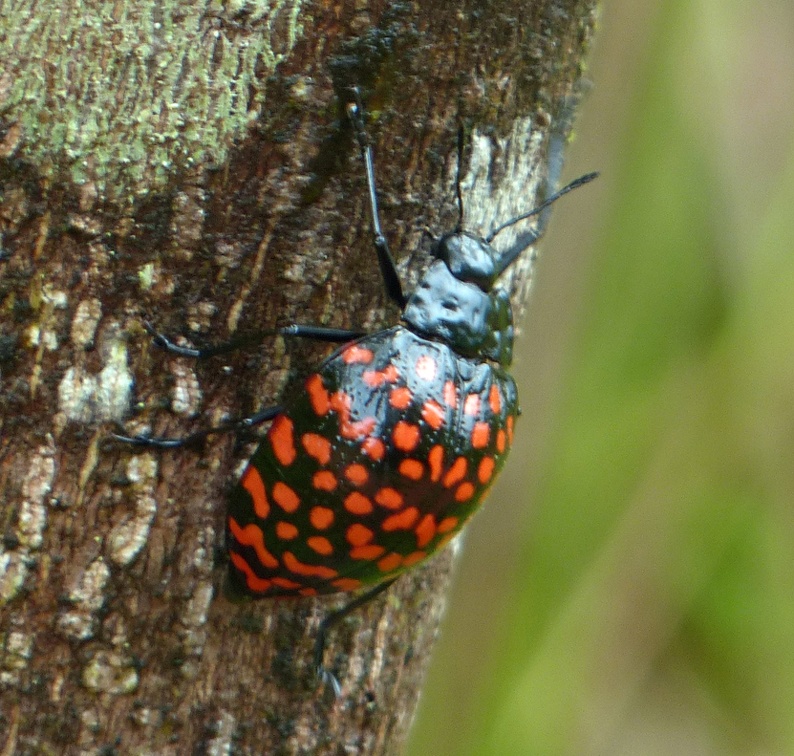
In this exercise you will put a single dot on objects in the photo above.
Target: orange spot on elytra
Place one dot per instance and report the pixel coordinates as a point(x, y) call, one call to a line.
point(465, 492)
point(414, 558)
point(358, 429)
point(321, 517)
point(347, 584)
point(318, 395)
point(285, 497)
point(450, 395)
point(435, 459)
point(485, 470)
point(412, 469)
point(501, 441)
point(340, 402)
point(472, 405)
point(401, 521)
point(425, 530)
point(286, 531)
point(293, 564)
point(406, 436)
point(280, 435)
point(510, 421)
point(252, 536)
point(390, 562)
point(358, 535)
point(308, 591)
point(317, 447)
point(495, 399)
point(456, 473)
point(321, 545)
point(290, 585)
point(357, 354)
point(324, 480)
point(480, 435)
point(426, 367)
point(357, 474)
point(369, 552)
point(390, 373)
point(252, 482)
point(433, 414)
point(400, 397)
point(253, 581)
point(389, 498)
point(357, 503)
point(448, 524)
point(374, 448)
point(375, 378)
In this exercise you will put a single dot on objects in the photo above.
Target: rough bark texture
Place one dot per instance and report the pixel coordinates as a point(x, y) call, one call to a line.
point(188, 163)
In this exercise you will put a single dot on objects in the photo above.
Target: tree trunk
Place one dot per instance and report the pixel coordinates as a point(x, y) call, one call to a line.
point(190, 164)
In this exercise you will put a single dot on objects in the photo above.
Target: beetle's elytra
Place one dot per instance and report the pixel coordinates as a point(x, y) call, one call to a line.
point(384, 452)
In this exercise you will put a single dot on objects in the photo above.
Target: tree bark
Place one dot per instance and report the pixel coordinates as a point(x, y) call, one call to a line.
point(189, 163)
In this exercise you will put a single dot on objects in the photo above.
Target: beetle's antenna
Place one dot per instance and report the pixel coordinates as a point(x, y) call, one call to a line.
point(458, 191)
point(575, 184)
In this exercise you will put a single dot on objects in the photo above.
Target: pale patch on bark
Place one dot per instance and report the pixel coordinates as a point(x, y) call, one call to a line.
point(129, 536)
point(106, 395)
point(87, 597)
point(110, 672)
point(221, 744)
point(31, 522)
point(85, 322)
point(186, 392)
point(17, 653)
point(502, 182)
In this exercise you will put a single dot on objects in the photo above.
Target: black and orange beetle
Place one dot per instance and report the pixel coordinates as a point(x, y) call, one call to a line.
point(383, 453)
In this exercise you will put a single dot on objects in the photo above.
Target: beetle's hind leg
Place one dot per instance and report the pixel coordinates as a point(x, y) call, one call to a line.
point(325, 675)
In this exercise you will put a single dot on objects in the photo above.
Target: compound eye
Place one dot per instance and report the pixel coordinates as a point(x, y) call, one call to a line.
point(450, 303)
point(469, 259)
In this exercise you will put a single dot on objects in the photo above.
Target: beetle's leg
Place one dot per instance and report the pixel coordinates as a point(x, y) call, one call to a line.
point(319, 333)
point(236, 426)
point(391, 279)
point(332, 619)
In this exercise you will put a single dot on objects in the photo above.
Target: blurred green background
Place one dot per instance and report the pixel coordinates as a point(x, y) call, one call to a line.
point(629, 587)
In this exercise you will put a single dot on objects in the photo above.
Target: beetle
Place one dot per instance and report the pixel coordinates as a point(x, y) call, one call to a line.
point(380, 456)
